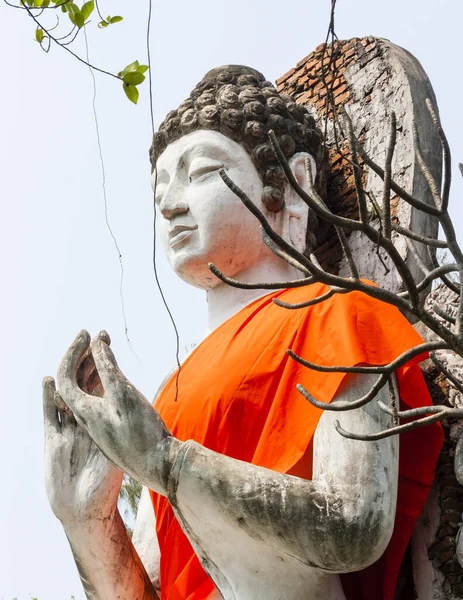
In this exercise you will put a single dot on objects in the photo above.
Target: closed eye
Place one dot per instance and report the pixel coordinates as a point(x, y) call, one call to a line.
point(200, 172)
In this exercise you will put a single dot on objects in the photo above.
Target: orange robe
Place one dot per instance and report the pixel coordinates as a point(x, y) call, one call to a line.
point(237, 396)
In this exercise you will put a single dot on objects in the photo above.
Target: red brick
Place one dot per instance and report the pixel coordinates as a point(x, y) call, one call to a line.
point(295, 77)
point(340, 90)
point(285, 76)
point(342, 98)
point(349, 53)
point(305, 60)
point(305, 97)
point(313, 65)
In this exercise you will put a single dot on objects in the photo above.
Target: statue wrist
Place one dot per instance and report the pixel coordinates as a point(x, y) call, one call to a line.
point(180, 451)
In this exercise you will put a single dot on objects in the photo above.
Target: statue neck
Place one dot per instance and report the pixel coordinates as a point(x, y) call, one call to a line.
point(224, 301)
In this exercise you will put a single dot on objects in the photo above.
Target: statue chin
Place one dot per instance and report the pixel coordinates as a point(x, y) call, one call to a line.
point(194, 271)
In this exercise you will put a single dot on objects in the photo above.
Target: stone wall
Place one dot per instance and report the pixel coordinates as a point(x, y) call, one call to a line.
point(369, 78)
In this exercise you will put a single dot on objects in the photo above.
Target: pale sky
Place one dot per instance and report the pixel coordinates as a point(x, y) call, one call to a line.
point(60, 270)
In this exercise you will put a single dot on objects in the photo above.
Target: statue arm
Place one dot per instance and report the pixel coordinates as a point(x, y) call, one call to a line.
point(83, 488)
point(108, 564)
point(340, 521)
point(145, 539)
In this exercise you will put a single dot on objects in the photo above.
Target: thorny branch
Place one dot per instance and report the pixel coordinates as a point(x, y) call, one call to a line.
point(450, 331)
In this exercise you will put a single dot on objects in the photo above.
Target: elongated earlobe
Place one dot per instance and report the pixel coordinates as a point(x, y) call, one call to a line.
point(297, 209)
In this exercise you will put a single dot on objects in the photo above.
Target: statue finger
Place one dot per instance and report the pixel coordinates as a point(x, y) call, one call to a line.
point(65, 413)
point(106, 365)
point(87, 375)
point(94, 385)
point(104, 337)
point(67, 372)
point(50, 412)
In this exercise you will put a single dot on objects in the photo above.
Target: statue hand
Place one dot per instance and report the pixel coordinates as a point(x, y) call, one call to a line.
point(81, 483)
point(122, 423)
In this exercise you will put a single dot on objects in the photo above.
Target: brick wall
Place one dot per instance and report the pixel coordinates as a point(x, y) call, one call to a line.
point(309, 82)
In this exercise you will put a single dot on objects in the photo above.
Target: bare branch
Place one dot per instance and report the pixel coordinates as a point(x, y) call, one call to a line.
point(343, 405)
point(313, 302)
point(441, 313)
point(388, 177)
point(452, 286)
point(446, 152)
point(283, 244)
point(279, 252)
point(433, 275)
point(413, 412)
point(394, 411)
point(419, 204)
point(419, 238)
point(381, 435)
point(314, 201)
point(425, 169)
point(458, 384)
point(400, 361)
point(352, 140)
point(277, 285)
point(416, 256)
point(340, 232)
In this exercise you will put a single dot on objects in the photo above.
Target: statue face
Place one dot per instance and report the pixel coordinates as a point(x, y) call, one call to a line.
point(202, 220)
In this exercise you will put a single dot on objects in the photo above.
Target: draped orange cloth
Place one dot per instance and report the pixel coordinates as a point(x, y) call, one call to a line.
point(237, 396)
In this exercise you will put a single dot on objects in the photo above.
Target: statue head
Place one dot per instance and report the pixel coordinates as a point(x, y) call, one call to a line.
point(225, 124)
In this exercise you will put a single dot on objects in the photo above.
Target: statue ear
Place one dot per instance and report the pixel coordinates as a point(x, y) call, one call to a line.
point(297, 209)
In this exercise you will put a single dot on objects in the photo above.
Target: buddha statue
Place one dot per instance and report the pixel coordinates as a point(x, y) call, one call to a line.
point(255, 494)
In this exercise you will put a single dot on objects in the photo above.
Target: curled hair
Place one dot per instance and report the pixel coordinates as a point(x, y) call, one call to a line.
point(240, 103)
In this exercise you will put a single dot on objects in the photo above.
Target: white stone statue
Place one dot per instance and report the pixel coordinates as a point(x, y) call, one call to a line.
point(258, 533)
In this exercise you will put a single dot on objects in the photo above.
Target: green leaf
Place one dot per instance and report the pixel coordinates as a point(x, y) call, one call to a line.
point(38, 3)
point(79, 19)
point(132, 67)
point(102, 24)
point(129, 69)
point(131, 92)
point(39, 35)
point(72, 9)
point(142, 68)
point(46, 3)
point(116, 19)
point(133, 78)
point(87, 9)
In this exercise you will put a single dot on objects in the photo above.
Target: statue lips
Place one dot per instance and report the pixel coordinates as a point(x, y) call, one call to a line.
point(179, 233)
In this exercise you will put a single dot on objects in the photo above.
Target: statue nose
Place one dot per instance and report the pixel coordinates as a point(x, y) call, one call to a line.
point(172, 202)
point(171, 210)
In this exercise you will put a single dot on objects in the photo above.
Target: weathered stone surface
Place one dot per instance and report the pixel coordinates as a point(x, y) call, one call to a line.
point(373, 78)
